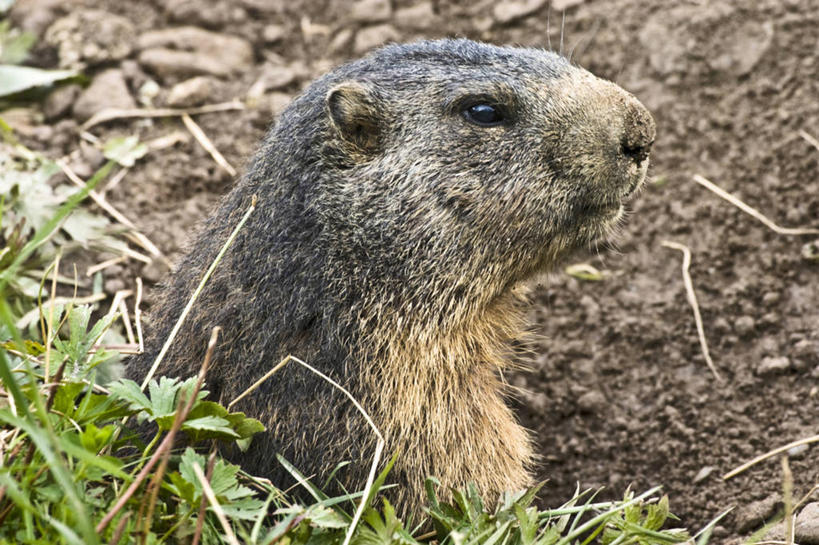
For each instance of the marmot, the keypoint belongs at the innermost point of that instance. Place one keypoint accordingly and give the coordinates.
(404, 198)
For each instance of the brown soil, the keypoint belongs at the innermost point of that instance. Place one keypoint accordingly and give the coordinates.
(619, 394)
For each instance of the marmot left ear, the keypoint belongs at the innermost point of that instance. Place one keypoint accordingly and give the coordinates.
(354, 113)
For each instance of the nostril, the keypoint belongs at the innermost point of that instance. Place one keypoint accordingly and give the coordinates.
(638, 153)
(638, 133)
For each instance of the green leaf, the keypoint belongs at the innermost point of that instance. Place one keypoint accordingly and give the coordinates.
(129, 391)
(14, 43)
(214, 424)
(182, 488)
(125, 150)
(14, 79)
(84, 226)
(94, 438)
(65, 395)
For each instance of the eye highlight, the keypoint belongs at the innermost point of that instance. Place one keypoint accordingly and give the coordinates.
(483, 114)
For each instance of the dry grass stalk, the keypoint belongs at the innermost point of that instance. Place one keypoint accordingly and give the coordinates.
(206, 143)
(200, 520)
(126, 321)
(114, 181)
(120, 529)
(110, 114)
(214, 503)
(752, 211)
(138, 315)
(787, 499)
(809, 139)
(692, 300)
(770, 454)
(104, 265)
(50, 325)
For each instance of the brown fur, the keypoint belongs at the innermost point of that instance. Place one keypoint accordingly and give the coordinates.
(391, 241)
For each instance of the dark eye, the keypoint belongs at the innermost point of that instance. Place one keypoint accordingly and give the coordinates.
(485, 115)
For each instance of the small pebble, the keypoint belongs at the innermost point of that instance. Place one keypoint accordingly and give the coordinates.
(108, 90)
(507, 12)
(371, 11)
(744, 325)
(371, 37)
(191, 92)
(806, 529)
(773, 366)
(592, 402)
(755, 514)
(273, 33)
(798, 451)
(703, 474)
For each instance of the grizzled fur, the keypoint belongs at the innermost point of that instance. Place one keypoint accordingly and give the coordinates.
(388, 250)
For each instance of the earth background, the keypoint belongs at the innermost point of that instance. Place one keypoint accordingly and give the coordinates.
(618, 393)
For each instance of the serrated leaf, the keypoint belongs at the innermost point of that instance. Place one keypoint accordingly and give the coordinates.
(129, 391)
(210, 424)
(78, 318)
(182, 488)
(14, 79)
(125, 150)
(656, 515)
(245, 509)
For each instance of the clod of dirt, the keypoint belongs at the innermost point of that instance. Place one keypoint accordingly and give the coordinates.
(371, 37)
(773, 366)
(210, 14)
(562, 5)
(667, 51)
(741, 49)
(35, 15)
(806, 529)
(592, 402)
(278, 76)
(755, 514)
(59, 102)
(417, 17)
(807, 351)
(190, 92)
(507, 12)
(108, 90)
(90, 37)
(193, 51)
(272, 34)
(371, 11)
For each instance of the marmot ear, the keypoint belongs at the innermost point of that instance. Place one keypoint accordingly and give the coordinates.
(354, 114)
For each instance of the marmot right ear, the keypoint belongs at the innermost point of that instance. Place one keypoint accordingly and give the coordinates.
(354, 113)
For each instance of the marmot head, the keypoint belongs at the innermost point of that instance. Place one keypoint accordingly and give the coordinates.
(467, 167)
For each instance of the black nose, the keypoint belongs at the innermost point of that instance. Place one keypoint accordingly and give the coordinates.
(638, 134)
